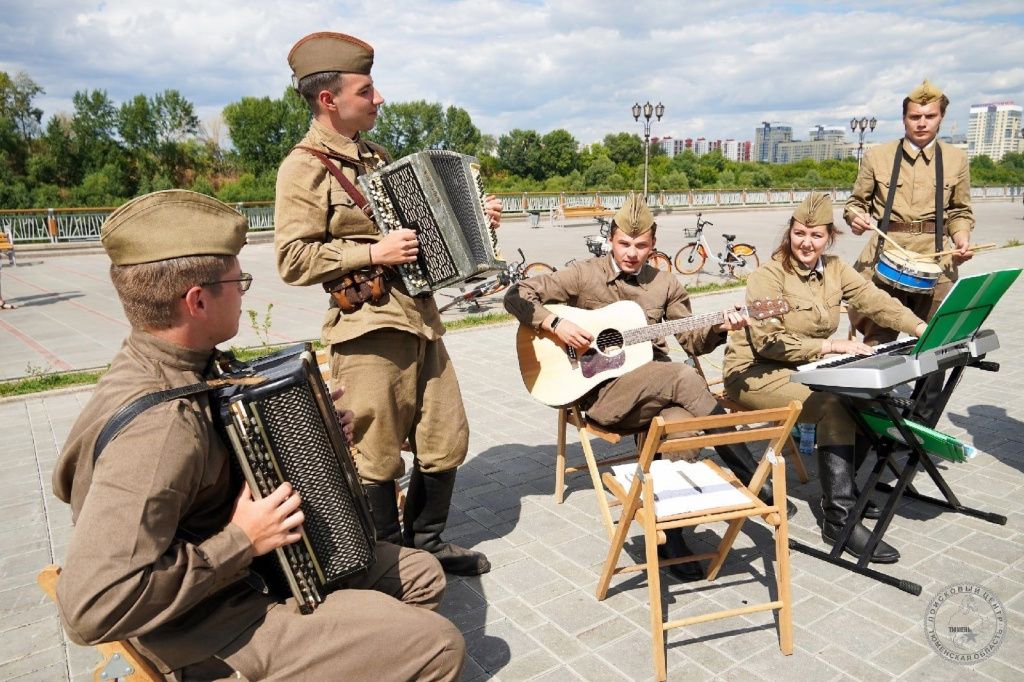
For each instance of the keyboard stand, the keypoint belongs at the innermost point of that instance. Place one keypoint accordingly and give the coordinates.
(897, 409)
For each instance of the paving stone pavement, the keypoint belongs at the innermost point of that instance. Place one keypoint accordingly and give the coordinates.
(535, 616)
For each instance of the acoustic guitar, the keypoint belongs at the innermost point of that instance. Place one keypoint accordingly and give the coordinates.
(556, 375)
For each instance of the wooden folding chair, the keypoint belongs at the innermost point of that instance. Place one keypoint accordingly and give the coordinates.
(121, 660)
(587, 429)
(717, 389)
(639, 504)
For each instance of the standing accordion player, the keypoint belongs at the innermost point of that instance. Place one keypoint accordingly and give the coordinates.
(439, 195)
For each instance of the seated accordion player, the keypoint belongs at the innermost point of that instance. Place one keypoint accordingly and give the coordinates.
(277, 415)
(439, 195)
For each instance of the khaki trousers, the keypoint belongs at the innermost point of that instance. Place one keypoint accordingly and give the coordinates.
(400, 386)
(759, 388)
(638, 396)
(379, 627)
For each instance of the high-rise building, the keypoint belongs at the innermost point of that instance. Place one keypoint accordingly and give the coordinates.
(995, 130)
(767, 139)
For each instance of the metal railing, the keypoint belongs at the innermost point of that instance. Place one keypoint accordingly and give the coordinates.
(67, 225)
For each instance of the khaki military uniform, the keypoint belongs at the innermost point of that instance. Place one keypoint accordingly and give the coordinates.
(389, 353)
(914, 204)
(130, 572)
(760, 358)
(633, 399)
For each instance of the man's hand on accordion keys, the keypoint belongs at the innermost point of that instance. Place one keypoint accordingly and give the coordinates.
(271, 522)
(492, 209)
(395, 248)
(346, 417)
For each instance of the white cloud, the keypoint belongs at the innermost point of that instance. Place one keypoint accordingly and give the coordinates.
(719, 67)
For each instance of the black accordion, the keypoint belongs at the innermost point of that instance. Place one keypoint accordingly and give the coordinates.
(440, 196)
(285, 428)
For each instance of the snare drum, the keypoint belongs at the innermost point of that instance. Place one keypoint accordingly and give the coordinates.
(917, 277)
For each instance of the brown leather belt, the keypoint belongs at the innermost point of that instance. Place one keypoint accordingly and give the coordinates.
(916, 227)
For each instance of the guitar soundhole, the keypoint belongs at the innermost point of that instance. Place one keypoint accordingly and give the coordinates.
(609, 340)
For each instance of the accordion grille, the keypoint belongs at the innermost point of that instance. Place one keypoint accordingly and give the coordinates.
(413, 208)
(463, 196)
(302, 448)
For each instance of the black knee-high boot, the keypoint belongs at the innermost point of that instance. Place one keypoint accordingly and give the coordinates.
(384, 508)
(738, 458)
(836, 473)
(425, 517)
(871, 510)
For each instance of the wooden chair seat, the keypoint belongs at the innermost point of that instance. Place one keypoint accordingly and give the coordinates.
(713, 496)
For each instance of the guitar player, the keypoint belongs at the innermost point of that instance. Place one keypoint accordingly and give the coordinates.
(672, 390)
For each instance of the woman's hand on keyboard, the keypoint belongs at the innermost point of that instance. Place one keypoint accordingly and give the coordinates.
(845, 347)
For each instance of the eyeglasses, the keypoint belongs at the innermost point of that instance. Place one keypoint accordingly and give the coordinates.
(244, 282)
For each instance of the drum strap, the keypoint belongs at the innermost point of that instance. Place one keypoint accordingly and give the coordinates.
(884, 224)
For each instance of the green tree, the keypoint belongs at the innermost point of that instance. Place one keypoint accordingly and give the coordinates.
(16, 95)
(625, 148)
(262, 130)
(407, 127)
(597, 173)
(519, 152)
(94, 126)
(559, 153)
(458, 132)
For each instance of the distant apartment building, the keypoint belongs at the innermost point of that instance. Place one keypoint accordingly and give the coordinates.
(774, 143)
(730, 148)
(671, 146)
(767, 139)
(995, 130)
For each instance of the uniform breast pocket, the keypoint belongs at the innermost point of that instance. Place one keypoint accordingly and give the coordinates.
(346, 219)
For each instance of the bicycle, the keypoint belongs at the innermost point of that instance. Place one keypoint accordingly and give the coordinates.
(512, 273)
(598, 246)
(740, 259)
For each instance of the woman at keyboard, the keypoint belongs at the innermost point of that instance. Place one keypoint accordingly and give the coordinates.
(760, 359)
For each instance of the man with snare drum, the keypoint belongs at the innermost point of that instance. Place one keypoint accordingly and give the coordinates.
(918, 188)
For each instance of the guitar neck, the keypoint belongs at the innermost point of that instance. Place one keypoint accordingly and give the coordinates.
(673, 327)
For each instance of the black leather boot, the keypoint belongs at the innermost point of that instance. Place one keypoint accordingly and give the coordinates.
(674, 548)
(384, 508)
(426, 514)
(926, 412)
(871, 510)
(836, 472)
(738, 458)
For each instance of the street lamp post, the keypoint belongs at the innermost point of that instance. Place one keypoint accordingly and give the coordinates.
(861, 126)
(647, 110)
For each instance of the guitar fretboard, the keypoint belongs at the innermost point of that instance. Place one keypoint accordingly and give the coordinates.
(673, 327)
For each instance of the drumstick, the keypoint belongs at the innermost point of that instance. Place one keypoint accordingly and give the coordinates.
(909, 255)
(948, 252)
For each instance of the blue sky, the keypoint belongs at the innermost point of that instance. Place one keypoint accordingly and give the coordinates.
(719, 66)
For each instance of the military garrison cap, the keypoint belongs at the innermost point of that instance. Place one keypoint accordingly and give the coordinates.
(925, 93)
(172, 224)
(634, 218)
(815, 209)
(326, 51)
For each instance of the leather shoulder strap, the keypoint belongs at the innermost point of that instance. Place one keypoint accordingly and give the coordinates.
(129, 412)
(939, 182)
(356, 195)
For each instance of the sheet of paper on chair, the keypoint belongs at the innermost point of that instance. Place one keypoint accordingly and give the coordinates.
(683, 487)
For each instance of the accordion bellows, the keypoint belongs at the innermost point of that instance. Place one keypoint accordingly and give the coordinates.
(439, 195)
(286, 429)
